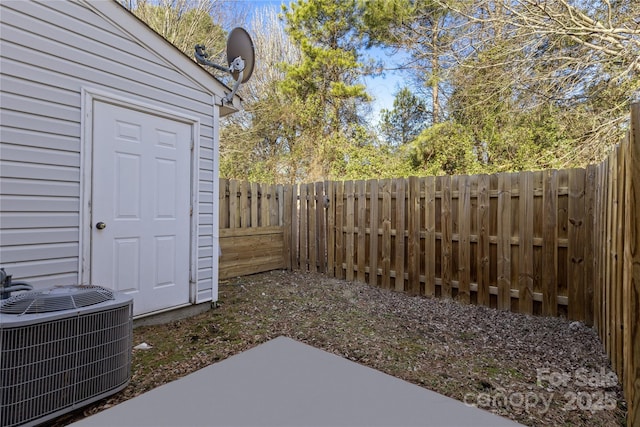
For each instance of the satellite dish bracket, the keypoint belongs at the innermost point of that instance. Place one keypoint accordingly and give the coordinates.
(229, 98)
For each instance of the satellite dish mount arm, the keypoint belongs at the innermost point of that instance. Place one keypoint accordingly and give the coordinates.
(201, 57)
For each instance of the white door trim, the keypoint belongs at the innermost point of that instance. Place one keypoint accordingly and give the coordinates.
(88, 97)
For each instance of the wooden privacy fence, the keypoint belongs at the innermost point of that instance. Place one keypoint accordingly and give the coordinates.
(616, 243)
(555, 242)
(512, 241)
(251, 228)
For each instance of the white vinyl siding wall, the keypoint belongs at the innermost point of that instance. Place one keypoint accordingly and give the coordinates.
(50, 50)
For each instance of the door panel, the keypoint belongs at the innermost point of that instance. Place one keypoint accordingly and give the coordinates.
(141, 174)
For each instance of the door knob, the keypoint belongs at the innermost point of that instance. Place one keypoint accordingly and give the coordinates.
(101, 225)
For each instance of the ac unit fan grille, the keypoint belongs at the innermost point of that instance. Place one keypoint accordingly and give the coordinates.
(56, 299)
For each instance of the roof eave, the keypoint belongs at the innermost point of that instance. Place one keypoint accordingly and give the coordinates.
(121, 17)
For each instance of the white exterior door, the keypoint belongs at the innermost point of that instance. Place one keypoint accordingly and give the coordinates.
(141, 174)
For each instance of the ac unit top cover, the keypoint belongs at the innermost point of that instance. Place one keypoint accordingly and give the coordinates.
(57, 303)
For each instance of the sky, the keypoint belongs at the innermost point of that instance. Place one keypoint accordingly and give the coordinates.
(381, 88)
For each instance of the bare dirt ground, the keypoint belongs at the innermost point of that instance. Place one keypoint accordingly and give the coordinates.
(535, 370)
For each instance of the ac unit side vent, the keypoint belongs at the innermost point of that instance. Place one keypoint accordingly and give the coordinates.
(56, 299)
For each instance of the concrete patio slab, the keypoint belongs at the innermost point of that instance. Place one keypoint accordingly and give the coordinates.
(286, 383)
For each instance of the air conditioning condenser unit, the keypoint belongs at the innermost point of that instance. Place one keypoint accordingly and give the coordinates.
(60, 349)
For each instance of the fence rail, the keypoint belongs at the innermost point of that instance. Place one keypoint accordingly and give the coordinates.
(555, 242)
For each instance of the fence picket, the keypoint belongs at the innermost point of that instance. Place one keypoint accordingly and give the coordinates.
(312, 226)
(339, 230)
(350, 216)
(295, 219)
(550, 243)
(430, 236)
(331, 227)
(254, 193)
(504, 242)
(577, 241)
(631, 279)
(617, 361)
(288, 227)
(245, 204)
(223, 203)
(447, 235)
(413, 242)
(589, 247)
(483, 252)
(386, 234)
(373, 233)
(265, 195)
(464, 244)
(525, 244)
(610, 245)
(321, 226)
(399, 234)
(234, 217)
(304, 228)
(598, 240)
(362, 218)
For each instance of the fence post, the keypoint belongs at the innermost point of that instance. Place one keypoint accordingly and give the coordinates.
(631, 279)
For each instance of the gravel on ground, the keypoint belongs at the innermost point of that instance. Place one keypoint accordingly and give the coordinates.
(539, 371)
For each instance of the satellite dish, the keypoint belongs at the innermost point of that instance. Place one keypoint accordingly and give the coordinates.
(239, 45)
(240, 57)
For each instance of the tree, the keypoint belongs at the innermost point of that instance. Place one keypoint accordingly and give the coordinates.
(326, 84)
(184, 23)
(576, 59)
(553, 78)
(259, 143)
(287, 133)
(406, 120)
(427, 31)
